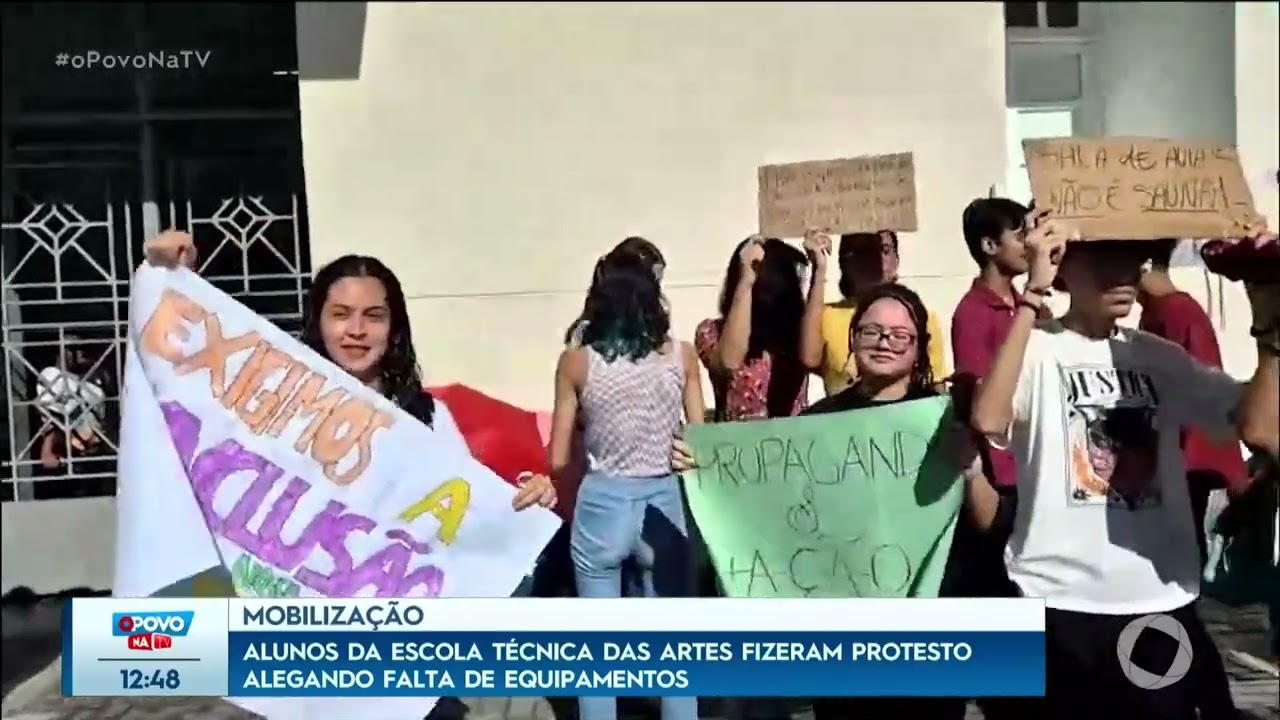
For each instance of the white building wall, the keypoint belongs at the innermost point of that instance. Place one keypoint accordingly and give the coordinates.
(1165, 70)
(1257, 61)
(490, 152)
(1195, 70)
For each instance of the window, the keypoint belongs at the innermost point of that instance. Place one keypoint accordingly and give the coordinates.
(1021, 14)
(1061, 14)
(1042, 15)
(1030, 124)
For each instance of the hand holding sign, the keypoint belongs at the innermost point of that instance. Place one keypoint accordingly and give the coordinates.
(681, 456)
(1255, 261)
(853, 504)
(1045, 244)
(1255, 257)
(817, 245)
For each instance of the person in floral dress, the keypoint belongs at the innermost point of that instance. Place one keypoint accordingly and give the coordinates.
(753, 349)
(753, 354)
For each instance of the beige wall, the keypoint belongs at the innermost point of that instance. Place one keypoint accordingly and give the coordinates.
(490, 152)
(1257, 120)
(1258, 99)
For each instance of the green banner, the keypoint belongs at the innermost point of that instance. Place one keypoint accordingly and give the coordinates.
(853, 504)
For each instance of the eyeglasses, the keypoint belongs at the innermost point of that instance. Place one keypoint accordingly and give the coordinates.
(899, 340)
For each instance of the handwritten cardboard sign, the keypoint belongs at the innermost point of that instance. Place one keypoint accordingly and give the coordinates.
(1140, 188)
(854, 504)
(862, 194)
(244, 450)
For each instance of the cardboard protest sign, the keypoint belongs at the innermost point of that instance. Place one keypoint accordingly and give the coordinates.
(854, 504)
(863, 194)
(244, 451)
(1140, 188)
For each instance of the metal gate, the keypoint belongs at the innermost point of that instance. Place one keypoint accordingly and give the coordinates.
(65, 314)
(95, 161)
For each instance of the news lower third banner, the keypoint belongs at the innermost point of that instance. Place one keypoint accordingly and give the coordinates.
(535, 647)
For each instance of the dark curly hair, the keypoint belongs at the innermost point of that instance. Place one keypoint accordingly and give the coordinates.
(777, 312)
(777, 298)
(633, 250)
(625, 314)
(401, 376)
(922, 374)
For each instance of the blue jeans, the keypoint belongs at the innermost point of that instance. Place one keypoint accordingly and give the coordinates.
(619, 518)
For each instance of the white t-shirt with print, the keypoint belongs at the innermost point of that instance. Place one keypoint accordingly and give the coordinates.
(1104, 520)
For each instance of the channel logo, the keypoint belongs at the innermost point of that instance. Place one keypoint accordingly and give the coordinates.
(151, 630)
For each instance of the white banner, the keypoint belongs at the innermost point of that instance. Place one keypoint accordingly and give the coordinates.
(242, 447)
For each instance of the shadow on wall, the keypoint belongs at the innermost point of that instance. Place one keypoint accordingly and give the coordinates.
(330, 39)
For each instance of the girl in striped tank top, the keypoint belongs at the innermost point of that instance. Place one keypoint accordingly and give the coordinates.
(630, 386)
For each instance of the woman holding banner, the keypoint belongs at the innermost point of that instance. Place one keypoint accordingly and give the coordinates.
(356, 317)
(889, 338)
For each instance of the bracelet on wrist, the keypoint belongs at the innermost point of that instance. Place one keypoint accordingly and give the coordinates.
(1031, 290)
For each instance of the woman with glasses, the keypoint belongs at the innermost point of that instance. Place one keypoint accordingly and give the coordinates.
(889, 337)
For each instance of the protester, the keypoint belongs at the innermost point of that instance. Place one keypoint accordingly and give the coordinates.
(866, 260)
(994, 230)
(1092, 411)
(356, 317)
(752, 351)
(73, 396)
(556, 575)
(631, 250)
(1174, 315)
(630, 385)
(889, 338)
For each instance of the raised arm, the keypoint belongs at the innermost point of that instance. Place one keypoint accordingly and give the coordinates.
(731, 352)
(171, 248)
(1258, 417)
(993, 400)
(1255, 410)
(818, 247)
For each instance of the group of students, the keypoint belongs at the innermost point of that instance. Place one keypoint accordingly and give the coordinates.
(1088, 456)
(1073, 457)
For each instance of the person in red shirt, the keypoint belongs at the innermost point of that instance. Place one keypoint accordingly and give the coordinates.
(994, 231)
(1177, 317)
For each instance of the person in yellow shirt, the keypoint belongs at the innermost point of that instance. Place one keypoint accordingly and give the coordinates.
(866, 260)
